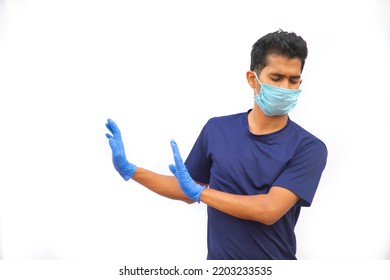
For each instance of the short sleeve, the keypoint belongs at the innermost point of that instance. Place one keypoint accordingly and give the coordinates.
(303, 172)
(198, 162)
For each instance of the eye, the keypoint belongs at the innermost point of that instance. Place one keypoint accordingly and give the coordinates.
(294, 81)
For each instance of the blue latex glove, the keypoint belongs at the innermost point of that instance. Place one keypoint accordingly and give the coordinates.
(188, 186)
(125, 168)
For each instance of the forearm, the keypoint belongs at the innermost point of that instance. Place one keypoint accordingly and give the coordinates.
(163, 185)
(248, 207)
(264, 208)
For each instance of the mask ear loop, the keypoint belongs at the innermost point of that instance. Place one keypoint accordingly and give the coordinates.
(257, 78)
(259, 83)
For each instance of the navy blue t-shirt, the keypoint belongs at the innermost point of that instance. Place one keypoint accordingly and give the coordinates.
(231, 159)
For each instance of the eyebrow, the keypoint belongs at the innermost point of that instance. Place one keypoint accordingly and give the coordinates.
(283, 76)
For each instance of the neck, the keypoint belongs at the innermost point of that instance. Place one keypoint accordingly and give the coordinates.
(259, 123)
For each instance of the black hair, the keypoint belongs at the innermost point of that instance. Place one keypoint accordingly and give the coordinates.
(282, 43)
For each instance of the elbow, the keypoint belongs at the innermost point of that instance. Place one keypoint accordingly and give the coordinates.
(267, 215)
(269, 221)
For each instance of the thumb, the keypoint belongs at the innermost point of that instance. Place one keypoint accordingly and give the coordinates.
(113, 145)
(173, 169)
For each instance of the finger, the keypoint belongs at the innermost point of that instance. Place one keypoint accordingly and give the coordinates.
(176, 154)
(173, 169)
(109, 135)
(109, 128)
(113, 145)
(113, 127)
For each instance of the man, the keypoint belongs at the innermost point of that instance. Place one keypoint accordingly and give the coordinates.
(254, 170)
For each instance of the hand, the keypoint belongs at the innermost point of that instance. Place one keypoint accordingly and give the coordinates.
(125, 168)
(187, 185)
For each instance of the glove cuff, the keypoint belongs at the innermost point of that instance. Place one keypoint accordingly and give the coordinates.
(128, 172)
(201, 189)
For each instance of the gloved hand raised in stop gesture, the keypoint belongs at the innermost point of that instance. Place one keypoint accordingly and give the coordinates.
(125, 168)
(187, 184)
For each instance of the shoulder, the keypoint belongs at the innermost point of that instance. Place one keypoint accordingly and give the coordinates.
(308, 140)
(228, 119)
(223, 127)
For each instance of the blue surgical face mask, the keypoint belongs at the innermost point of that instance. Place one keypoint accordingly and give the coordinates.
(276, 101)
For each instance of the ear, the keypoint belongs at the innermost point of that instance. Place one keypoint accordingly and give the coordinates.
(300, 81)
(251, 78)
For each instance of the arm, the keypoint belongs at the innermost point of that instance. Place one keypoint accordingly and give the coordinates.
(163, 185)
(264, 208)
(166, 186)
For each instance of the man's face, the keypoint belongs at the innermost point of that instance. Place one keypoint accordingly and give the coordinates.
(282, 72)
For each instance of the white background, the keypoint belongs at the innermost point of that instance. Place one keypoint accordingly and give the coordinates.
(161, 69)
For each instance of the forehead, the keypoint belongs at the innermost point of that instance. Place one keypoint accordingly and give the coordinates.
(282, 65)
